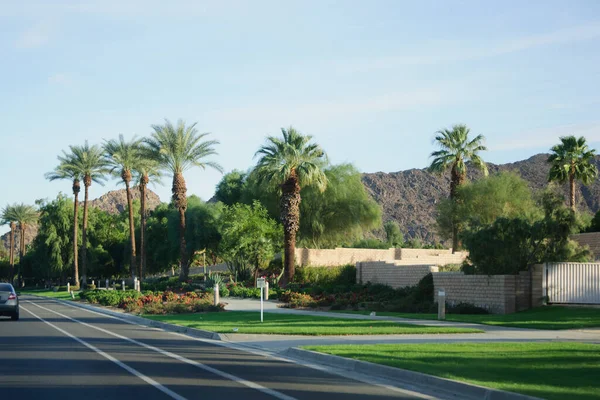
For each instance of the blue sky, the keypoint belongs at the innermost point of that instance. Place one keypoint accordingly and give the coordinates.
(371, 80)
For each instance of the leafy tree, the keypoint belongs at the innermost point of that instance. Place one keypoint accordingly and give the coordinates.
(8, 217)
(122, 158)
(162, 238)
(203, 226)
(230, 188)
(482, 202)
(290, 163)
(249, 235)
(393, 235)
(66, 170)
(510, 245)
(456, 149)
(177, 149)
(571, 160)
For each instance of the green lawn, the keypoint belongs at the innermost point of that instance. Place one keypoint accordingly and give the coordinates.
(547, 370)
(287, 324)
(551, 317)
(50, 293)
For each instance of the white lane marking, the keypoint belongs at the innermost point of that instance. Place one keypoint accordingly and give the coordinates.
(264, 353)
(111, 358)
(215, 371)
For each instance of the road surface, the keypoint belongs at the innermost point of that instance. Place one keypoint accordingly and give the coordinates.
(57, 351)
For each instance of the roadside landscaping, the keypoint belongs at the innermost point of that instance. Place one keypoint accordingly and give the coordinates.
(286, 324)
(548, 317)
(554, 371)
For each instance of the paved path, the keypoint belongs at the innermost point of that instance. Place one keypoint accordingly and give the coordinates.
(279, 343)
(60, 351)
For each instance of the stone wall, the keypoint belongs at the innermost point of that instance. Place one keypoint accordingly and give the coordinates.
(392, 274)
(499, 294)
(345, 256)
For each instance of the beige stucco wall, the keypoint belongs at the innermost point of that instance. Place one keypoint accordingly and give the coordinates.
(392, 274)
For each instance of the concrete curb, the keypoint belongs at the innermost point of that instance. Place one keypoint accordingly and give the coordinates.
(142, 321)
(465, 390)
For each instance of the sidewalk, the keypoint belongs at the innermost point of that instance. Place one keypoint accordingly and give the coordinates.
(279, 343)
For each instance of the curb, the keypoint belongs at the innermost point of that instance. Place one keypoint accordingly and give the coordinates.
(142, 321)
(465, 390)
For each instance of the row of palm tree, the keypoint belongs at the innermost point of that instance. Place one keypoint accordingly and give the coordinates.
(570, 160)
(20, 215)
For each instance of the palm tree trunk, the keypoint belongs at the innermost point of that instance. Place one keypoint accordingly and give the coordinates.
(179, 191)
(456, 180)
(22, 252)
(12, 251)
(76, 189)
(290, 217)
(86, 184)
(131, 228)
(572, 191)
(142, 267)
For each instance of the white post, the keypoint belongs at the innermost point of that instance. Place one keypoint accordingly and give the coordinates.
(123, 285)
(135, 283)
(441, 305)
(68, 287)
(93, 282)
(261, 303)
(217, 298)
(266, 290)
(107, 284)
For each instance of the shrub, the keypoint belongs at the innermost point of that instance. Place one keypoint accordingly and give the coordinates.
(344, 275)
(425, 288)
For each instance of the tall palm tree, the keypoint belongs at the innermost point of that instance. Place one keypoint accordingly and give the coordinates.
(89, 163)
(122, 158)
(25, 215)
(178, 148)
(148, 168)
(456, 149)
(65, 170)
(291, 163)
(572, 160)
(8, 217)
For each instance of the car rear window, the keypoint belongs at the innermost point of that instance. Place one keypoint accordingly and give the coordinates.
(5, 287)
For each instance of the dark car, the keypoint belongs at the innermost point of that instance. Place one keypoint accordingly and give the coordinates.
(9, 301)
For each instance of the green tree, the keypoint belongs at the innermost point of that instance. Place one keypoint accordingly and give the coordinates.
(230, 188)
(66, 170)
(482, 202)
(177, 149)
(393, 235)
(249, 236)
(122, 158)
(202, 226)
(456, 149)
(571, 160)
(8, 218)
(162, 238)
(291, 163)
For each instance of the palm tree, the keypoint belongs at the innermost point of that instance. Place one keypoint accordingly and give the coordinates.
(89, 163)
(25, 215)
(177, 149)
(122, 158)
(9, 218)
(143, 171)
(291, 164)
(455, 151)
(65, 170)
(572, 160)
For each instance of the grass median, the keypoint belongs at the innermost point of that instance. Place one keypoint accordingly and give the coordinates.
(51, 294)
(550, 318)
(289, 324)
(547, 370)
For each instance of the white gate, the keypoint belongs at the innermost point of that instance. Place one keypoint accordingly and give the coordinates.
(572, 283)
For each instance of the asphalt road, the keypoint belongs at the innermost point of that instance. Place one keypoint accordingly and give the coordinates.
(57, 351)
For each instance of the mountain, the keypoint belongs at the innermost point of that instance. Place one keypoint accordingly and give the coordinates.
(410, 197)
(113, 202)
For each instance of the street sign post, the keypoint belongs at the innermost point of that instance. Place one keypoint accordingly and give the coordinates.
(260, 283)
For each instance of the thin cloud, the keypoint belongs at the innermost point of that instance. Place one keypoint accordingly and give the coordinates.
(59, 79)
(37, 36)
(547, 137)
